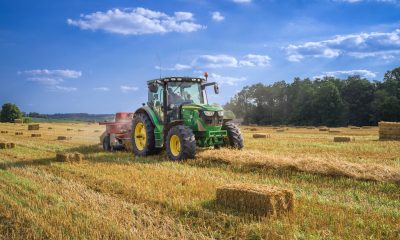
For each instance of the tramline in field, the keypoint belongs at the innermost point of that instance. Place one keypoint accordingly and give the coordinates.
(178, 118)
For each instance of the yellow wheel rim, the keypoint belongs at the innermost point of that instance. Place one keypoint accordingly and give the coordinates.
(175, 145)
(140, 136)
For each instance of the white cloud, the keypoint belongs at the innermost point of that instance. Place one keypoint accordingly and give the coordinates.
(176, 67)
(374, 44)
(101, 89)
(253, 60)
(241, 1)
(61, 73)
(225, 79)
(222, 60)
(345, 73)
(216, 16)
(137, 21)
(125, 89)
(46, 80)
(65, 89)
(52, 78)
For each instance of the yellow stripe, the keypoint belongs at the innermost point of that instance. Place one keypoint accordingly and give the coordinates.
(192, 107)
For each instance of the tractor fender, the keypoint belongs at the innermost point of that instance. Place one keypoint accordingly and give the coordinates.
(173, 124)
(150, 113)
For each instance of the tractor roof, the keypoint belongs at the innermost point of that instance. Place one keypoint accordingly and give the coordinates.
(177, 79)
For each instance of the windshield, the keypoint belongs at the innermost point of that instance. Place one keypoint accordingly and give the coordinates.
(185, 92)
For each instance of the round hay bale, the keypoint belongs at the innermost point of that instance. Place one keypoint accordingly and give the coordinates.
(342, 139)
(261, 135)
(61, 138)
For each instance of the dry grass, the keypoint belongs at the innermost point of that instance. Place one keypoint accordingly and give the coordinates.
(114, 195)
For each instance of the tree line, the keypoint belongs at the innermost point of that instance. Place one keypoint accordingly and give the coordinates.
(328, 101)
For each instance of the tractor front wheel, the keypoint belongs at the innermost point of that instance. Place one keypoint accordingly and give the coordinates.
(106, 143)
(142, 138)
(181, 143)
(235, 137)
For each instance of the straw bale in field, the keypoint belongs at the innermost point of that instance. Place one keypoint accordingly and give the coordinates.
(69, 129)
(80, 130)
(19, 133)
(389, 130)
(18, 120)
(280, 130)
(69, 157)
(366, 127)
(342, 139)
(4, 131)
(355, 128)
(49, 128)
(36, 135)
(61, 138)
(253, 129)
(324, 129)
(259, 200)
(33, 127)
(6, 145)
(261, 135)
(334, 131)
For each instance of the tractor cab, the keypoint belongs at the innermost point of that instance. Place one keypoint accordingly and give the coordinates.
(178, 118)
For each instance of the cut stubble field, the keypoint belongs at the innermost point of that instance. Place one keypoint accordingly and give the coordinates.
(343, 190)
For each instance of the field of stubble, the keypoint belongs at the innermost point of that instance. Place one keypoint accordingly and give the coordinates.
(342, 190)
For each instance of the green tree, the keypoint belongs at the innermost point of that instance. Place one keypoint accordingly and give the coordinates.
(10, 112)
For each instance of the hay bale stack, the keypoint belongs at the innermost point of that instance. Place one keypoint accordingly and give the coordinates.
(69, 157)
(18, 120)
(261, 135)
(342, 139)
(259, 200)
(19, 133)
(389, 130)
(36, 135)
(324, 129)
(4, 132)
(32, 127)
(61, 138)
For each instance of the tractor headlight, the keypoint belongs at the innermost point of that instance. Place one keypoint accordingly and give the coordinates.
(220, 113)
(208, 113)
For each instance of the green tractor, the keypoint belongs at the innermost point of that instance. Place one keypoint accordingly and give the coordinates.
(177, 117)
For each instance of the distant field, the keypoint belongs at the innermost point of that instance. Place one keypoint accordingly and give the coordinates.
(343, 190)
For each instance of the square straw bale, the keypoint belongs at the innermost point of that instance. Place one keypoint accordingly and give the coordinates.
(33, 127)
(261, 135)
(3, 145)
(259, 200)
(342, 139)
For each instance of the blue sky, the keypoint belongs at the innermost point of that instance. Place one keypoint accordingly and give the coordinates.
(95, 56)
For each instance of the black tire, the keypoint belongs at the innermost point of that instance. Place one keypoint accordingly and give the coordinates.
(150, 145)
(187, 143)
(106, 143)
(235, 137)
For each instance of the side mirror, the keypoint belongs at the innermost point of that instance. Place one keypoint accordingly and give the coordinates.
(153, 87)
(216, 88)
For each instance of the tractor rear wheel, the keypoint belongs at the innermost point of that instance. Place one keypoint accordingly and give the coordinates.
(235, 137)
(142, 136)
(181, 143)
